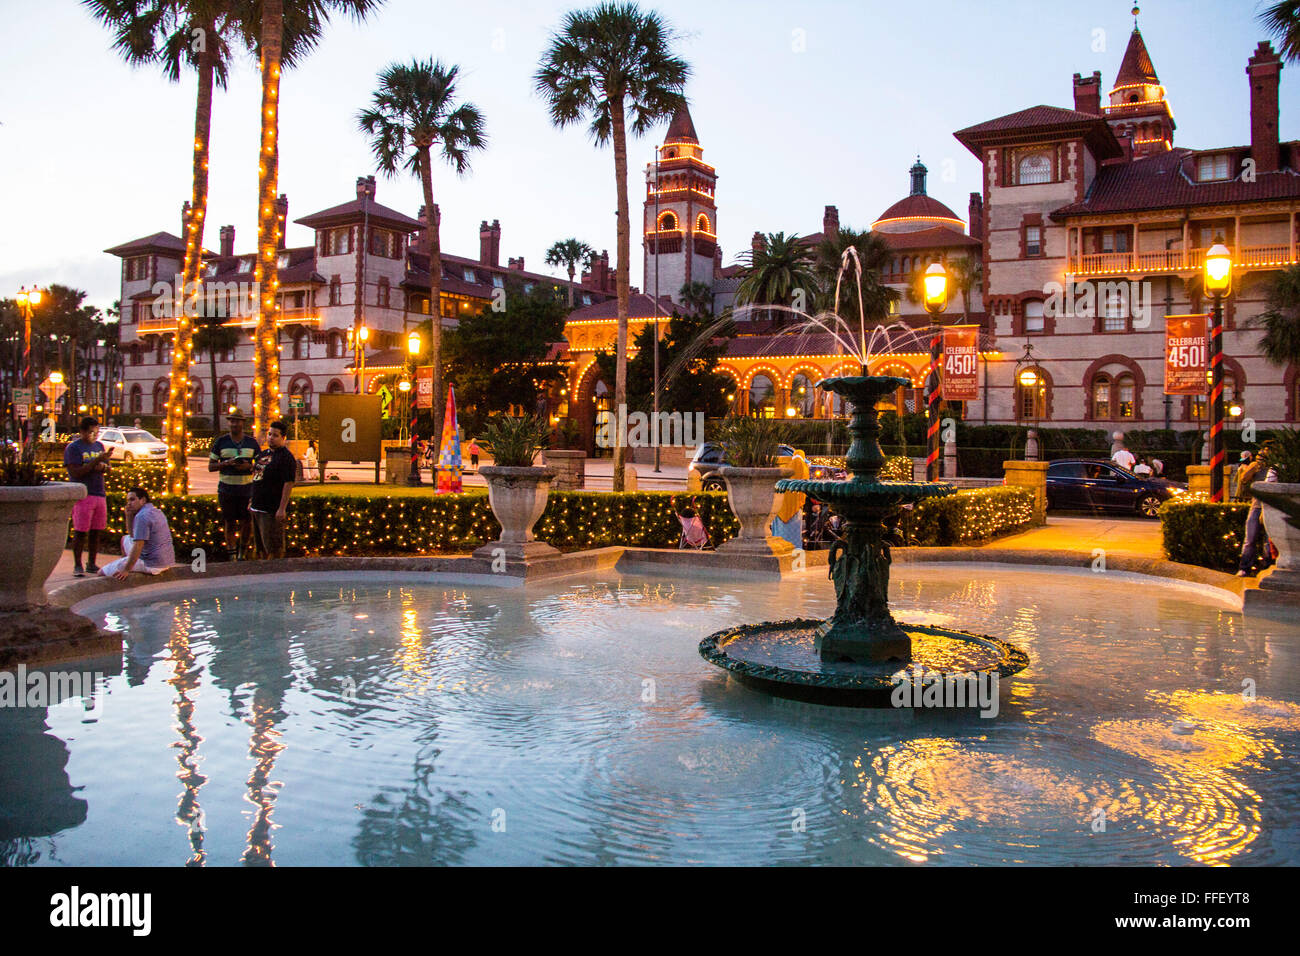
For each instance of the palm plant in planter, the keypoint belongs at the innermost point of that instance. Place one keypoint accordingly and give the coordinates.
(517, 491)
(33, 525)
(567, 456)
(751, 446)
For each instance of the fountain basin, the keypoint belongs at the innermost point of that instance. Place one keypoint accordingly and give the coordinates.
(783, 658)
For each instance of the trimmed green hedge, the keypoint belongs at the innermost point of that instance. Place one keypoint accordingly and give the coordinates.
(325, 524)
(972, 514)
(1203, 533)
(152, 478)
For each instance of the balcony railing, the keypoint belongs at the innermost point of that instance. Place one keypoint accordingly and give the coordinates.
(152, 325)
(1175, 261)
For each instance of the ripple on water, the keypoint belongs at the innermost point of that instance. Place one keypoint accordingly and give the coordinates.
(1012, 797)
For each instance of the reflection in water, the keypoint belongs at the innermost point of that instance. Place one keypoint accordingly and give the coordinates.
(184, 682)
(408, 720)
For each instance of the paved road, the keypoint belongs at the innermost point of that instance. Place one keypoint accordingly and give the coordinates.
(600, 476)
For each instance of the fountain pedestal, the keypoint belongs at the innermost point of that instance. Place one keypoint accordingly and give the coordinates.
(855, 657)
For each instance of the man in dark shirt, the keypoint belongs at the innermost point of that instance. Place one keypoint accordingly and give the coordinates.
(273, 478)
(86, 461)
(233, 455)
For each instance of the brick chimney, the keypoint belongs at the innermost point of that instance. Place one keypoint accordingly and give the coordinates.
(1087, 93)
(517, 264)
(185, 221)
(366, 187)
(830, 222)
(227, 241)
(1264, 70)
(757, 242)
(489, 243)
(975, 216)
(282, 218)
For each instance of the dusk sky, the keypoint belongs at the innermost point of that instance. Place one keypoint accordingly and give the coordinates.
(797, 105)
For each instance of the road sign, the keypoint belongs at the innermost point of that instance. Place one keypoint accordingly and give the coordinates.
(24, 396)
(296, 403)
(22, 411)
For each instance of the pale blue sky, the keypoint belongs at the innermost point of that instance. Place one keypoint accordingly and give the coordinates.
(93, 153)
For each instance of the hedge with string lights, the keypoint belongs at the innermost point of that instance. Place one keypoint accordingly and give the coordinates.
(359, 524)
(1203, 533)
(972, 514)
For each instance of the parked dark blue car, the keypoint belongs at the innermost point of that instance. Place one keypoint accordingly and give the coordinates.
(1086, 484)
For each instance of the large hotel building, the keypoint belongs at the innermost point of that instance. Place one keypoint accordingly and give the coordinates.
(1093, 196)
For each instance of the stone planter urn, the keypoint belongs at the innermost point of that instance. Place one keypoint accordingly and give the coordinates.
(518, 498)
(752, 497)
(33, 532)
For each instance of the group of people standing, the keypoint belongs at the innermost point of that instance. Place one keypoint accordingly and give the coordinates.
(253, 487)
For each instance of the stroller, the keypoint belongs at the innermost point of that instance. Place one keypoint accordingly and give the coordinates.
(694, 534)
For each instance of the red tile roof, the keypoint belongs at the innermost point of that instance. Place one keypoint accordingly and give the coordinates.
(917, 205)
(681, 129)
(1042, 119)
(158, 242)
(1136, 66)
(1168, 180)
(355, 210)
(936, 237)
(639, 306)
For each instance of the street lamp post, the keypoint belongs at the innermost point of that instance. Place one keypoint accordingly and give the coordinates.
(28, 299)
(1218, 283)
(359, 358)
(1028, 379)
(935, 281)
(413, 348)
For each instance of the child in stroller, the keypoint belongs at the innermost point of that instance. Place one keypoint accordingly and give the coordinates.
(694, 534)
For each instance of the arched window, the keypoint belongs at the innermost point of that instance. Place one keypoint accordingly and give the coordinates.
(301, 385)
(336, 345)
(229, 394)
(1101, 398)
(160, 398)
(702, 224)
(762, 396)
(802, 395)
(335, 387)
(667, 222)
(137, 399)
(301, 345)
(196, 396)
(1124, 396)
(1035, 168)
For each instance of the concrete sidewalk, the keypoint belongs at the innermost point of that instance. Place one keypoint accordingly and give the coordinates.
(1115, 535)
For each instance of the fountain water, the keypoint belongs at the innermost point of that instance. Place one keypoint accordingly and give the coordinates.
(854, 656)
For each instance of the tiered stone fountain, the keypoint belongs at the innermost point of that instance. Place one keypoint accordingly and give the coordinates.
(855, 656)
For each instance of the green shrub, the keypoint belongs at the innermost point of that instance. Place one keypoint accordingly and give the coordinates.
(1203, 533)
(147, 475)
(973, 514)
(750, 442)
(515, 440)
(334, 524)
(896, 468)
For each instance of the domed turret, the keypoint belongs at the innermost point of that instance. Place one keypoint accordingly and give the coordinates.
(918, 211)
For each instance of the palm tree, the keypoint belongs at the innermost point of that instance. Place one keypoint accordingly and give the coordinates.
(569, 253)
(212, 335)
(874, 254)
(1283, 21)
(180, 35)
(697, 298)
(778, 272)
(602, 64)
(414, 112)
(283, 33)
(1280, 321)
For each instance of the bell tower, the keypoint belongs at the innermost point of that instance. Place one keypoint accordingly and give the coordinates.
(1139, 109)
(680, 221)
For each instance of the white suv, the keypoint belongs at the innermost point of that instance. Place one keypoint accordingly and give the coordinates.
(132, 444)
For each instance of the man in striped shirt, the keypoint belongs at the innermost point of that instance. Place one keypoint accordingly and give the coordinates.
(233, 456)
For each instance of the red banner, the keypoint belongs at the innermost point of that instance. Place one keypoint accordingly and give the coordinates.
(424, 386)
(959, 373)
(1185, 354)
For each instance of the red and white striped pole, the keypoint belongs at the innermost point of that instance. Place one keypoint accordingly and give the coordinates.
(935, 282)
(1217, 282)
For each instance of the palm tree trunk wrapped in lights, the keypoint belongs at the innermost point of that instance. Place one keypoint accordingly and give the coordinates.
(266, 273)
